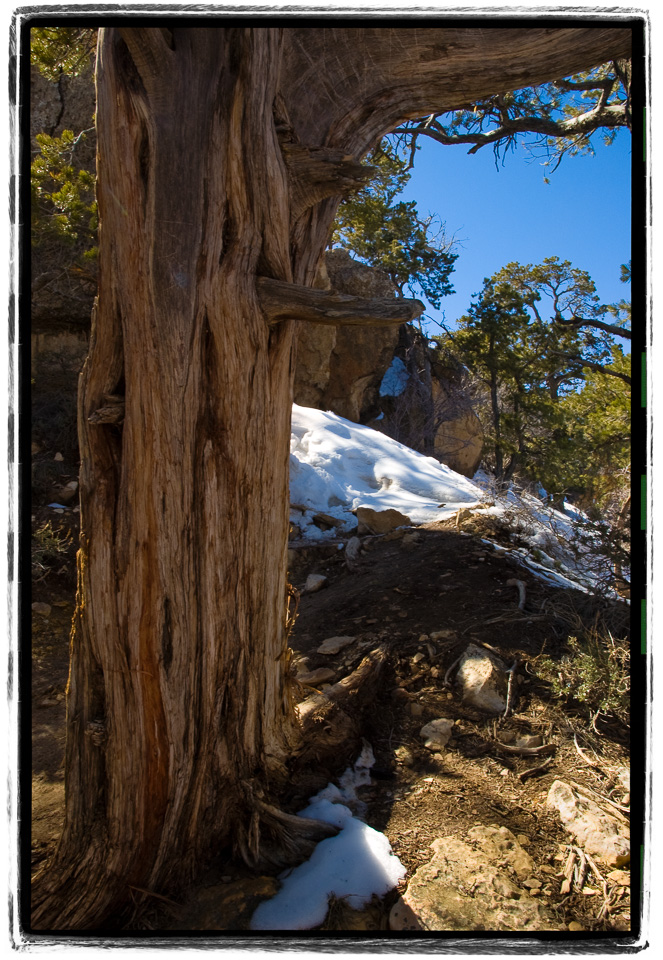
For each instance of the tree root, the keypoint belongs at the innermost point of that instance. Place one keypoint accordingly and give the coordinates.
(330, 727)
(271, 838)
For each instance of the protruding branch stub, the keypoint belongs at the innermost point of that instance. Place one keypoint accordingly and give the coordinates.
(319, 172)
(290, 301)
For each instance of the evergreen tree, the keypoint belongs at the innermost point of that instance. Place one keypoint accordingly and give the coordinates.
(392, 235)
(541, 376)
(63, 208)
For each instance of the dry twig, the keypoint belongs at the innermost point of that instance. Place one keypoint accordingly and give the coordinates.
(535, 771)
(521, 591)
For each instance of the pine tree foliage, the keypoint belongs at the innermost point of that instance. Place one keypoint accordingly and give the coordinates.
(554, 397)
(63, 203)
(553, 120)
(391, 234)
(58, 51)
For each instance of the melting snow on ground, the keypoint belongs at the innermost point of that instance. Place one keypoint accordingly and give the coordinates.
(356, 864)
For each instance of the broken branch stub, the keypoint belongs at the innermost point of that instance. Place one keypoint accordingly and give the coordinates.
(290, 301)
(319, 172)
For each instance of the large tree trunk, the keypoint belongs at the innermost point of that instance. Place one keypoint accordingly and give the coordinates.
(222, 156)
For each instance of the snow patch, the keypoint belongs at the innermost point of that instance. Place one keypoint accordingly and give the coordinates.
(355, 864)
(395, 379)
(337, 465)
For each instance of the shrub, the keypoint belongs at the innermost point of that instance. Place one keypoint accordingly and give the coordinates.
(48, 547)
(595, 672)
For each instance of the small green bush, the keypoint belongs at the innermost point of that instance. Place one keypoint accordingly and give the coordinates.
(594, 672)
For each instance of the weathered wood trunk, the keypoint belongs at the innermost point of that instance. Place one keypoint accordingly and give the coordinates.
(178, 710)
(176, 699)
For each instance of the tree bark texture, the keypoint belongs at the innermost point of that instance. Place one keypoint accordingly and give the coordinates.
(179, 717)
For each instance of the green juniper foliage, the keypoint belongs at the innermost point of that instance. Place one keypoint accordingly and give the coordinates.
(554, 120)
(554, 384)
(392, 235)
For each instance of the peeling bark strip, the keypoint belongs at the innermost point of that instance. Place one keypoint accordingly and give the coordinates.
(289, 301)
(178, 729)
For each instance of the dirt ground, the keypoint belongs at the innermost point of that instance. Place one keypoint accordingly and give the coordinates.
(424, 598)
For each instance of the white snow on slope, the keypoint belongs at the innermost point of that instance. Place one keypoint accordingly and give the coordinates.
(337, 466)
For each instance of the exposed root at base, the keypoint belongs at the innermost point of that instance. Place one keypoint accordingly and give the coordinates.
(273, 838)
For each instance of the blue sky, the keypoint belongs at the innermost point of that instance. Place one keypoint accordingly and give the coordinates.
(510, 214)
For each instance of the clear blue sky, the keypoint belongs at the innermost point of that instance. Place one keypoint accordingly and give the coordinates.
(510, 214)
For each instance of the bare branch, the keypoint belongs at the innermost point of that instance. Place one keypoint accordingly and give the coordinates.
(601, 116)
(599, 324)
(290, 301)
(592, 365)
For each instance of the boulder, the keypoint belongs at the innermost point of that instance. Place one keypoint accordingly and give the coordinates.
(314, 678)
(459, 435)
(341, 368)
(482, 679)
(43, 609)
(469, 885)
(598, 833)
(459, 443)
(315, 582)
(380, 521)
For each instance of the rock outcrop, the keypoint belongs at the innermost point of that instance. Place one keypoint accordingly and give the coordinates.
(341, 368)
(481, 883)
(597, 831)
(386, 377)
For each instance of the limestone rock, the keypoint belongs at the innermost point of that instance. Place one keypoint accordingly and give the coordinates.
(459, 443)
(315, 582)
(315, 342)
(65, 494)
(334, 644)
(353, 548)
(458, 440)
(482, 679)
(403, 917)
(595, 831)
(314, 678)
(43, 609)
(380, 521)
(437, 733)
(499, 843)
(340, 368)
(404, 755)
(467, 887)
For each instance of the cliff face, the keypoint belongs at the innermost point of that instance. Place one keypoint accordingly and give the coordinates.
(384, 376)
(341, 368)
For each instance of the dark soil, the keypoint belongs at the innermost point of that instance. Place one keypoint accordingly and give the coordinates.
(400, 593)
